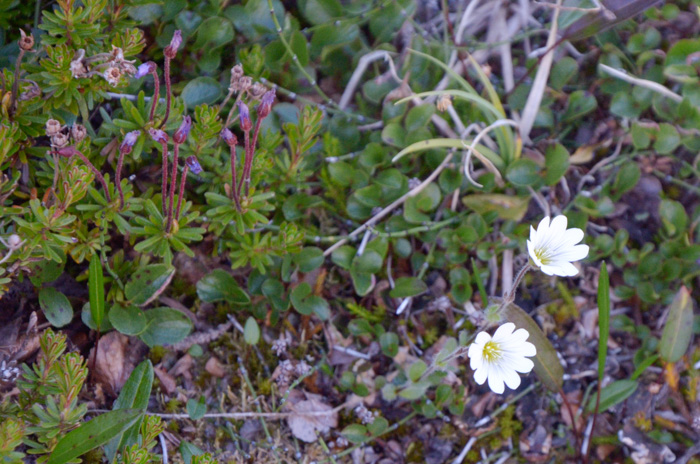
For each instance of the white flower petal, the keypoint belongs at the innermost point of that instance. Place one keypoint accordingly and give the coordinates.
(524, 366)
(511, 378)
(558, 226)
(481, 374)
(542, 227)
(527, 349)
(572, 236)
(496, 380)
(482, 338)
(503, 332)
(574, 253)
(476, 356)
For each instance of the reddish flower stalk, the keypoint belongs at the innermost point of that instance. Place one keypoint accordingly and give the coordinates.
(67, 152)
(231, 141)
(179, 138)
(191, 163)
(125, 148)
(246, 125)
(170, 52)
(249, 164)
(169, 223)
(263, 109)
(150, 68)
(162, 138)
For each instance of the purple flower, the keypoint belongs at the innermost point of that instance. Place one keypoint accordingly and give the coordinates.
(146, 68)
(129, 141)
(175, 43)
(265, 105)
(228, 137)
(246, 123)
(193, 164)
(181, 134)
(158, 135)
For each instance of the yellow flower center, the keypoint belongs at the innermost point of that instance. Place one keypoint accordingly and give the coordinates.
(542, 255)
(492, 351)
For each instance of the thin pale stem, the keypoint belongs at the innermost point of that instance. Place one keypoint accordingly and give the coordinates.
(595, 416)
(97, 173)
(156, 93)
(234, 176)
(183, 179)
(510, 296)
(168, 91)
(118, 178)
(573, 419)
(233, 108)
(169, 223)
(164, 186)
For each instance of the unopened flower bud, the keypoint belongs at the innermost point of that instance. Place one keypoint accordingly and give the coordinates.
(158, 135)
(265, 105)
(181, 134)
(244, 83)
(78, 132)
(228, 137)
(171, 50)
(146, 68)
(26, 42)
(13, 241)
(53, 127)
(59, 140)
(66, 152)
(112, 75)
(193, 164)
(246, 123)
(236, 72)
(129, 141)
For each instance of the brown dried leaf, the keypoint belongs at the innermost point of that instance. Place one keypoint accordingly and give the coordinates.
(110, 366)
(307, 427)
(214, 367)
(167, 381)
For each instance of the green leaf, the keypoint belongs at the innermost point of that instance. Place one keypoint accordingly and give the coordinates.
(416, 370)
(134, 395)
(307, 304)
(200, 90)
(214, 32)
(506, 206)
(612, 394)
(667, 139)
(166, 326)
(92, 434)
(147, 283)
(673, 216)
(355, 433)
(219, 285)
(251, 331)
(368, 262)
(523, 172)
(679, 327)
(556, 162)
(56, 307)
(97, 290)
(196, 408)
(300, 47)
(408, 286)
(309, 258)
(547, 366)
(129, 320)
(389, 343)
(603, 318)
(188, 451)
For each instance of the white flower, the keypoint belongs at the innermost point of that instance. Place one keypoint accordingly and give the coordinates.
(552, 247)
(501, 357)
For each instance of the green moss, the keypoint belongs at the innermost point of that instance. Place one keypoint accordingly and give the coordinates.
(510, 426)
(173, 406)
(156, 354)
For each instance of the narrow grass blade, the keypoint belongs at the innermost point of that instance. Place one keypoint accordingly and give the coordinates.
(603, 318)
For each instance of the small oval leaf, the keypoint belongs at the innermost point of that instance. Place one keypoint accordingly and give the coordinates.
(56, 307)
(679, 327)
(147, 283)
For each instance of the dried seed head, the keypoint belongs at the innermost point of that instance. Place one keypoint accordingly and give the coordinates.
(236, 72)
(149, 67)
(32, 92)
(59, 140)
(129, 141)
(245, 83)
(171, 50)
(257, 91)
(158, 135)
(117, 54)
(193, 164)
(13, 241)
(228, 137)
(443, 103)
(181, 134)
(265, 105)
(26, 42)
(53, 127)
(77, 66)
(246, 123)
(78, 132)
(112, 75)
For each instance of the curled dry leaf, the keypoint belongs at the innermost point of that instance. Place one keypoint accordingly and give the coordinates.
(111, 367)
(214, 367)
